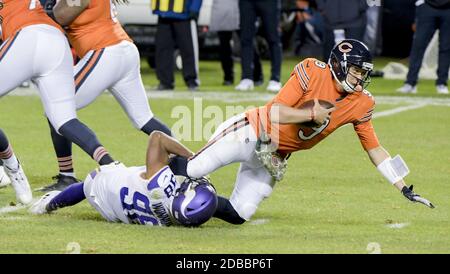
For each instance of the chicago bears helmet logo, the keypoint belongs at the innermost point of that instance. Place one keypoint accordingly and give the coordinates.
(345, 47)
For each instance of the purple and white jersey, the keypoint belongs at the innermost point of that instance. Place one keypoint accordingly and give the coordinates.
(120, 194)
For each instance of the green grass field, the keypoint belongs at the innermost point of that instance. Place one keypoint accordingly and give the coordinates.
(332, 199)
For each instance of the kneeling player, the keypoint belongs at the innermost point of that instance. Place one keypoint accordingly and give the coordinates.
(147, 195)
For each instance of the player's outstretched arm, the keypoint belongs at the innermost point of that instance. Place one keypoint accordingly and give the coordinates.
(394, 170)
(160, 147)
(282, 114)
(65, 11)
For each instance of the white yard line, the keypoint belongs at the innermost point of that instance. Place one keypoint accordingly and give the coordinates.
(397, 225)
(9, 209)
(234, 97)
(241, 97)
(14, 218)
(259, 221)
(393, 111)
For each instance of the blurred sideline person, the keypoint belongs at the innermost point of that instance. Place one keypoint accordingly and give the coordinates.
(431, 15)
(261, 139)
(309, 26)
(11, 172)
(177, 25)
(343, 19)
(35, 48)
(225, 20)
(146, 195)
(109, 61)
(270, 12)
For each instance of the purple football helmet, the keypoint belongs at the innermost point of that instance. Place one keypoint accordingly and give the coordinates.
(195, 202)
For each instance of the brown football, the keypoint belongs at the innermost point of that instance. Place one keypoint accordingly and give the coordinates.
(309, 104)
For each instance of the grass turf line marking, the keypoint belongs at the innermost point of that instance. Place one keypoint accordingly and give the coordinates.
(9, 209)
(397, 225)
(235, 97)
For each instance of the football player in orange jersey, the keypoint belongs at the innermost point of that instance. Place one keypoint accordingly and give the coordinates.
(261, 138)
(109, 61)
(35, 48)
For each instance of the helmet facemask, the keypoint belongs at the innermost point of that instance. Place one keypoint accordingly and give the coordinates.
(357, 76)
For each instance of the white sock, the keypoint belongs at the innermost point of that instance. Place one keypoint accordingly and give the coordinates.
(11, 163)
(71, 174)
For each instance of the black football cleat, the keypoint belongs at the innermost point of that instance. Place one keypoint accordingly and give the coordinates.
(62, 182)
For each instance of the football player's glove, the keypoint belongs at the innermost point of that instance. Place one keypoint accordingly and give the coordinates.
(413, 197)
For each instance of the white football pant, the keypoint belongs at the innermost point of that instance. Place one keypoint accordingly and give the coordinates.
(41, 53)
(117, 69)
(235, 141)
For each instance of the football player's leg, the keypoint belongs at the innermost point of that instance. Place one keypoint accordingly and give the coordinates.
(234, 141)
(90, 82)
(271, 16)
(55, 199)
(70, 196)
(426, 27)
(16, 61)
(6, 152)
(444, 49)
(253, 185)
(129, 91)
(56, 88)
(96, 72)
(63, 150)
(60, 110)
(14, 171)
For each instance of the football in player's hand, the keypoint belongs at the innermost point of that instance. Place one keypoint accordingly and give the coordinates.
(309, 105)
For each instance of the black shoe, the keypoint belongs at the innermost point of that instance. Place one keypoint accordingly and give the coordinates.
(259, 82)
(228, 82)
(62, 182)
(193, 87)
(162, 87)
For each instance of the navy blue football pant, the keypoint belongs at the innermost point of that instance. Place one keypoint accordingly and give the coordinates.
(428, 20)
(270, 12)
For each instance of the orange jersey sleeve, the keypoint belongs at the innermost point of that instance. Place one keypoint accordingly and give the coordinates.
(290, 94)
(367, 136)
(97, 27)
(363, 124)
(17, 14)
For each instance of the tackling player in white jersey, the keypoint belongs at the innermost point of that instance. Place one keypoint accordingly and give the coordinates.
(147, 195)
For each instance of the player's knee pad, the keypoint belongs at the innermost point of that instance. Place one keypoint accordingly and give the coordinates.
(246, 210)
(246, 202)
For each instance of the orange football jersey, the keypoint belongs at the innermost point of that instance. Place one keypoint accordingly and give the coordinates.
(17, 14)
(312, 79)
(96, 27)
